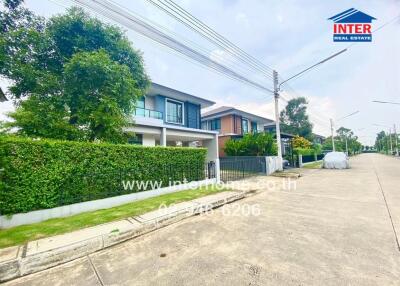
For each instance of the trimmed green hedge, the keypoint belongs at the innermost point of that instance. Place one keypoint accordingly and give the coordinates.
(306, 152)
(40, 174)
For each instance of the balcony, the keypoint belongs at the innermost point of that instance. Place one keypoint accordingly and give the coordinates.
(144, 112)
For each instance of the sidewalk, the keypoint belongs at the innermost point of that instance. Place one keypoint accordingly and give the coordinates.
(48, 252)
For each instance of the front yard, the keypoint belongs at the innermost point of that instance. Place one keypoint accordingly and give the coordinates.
(24, 233)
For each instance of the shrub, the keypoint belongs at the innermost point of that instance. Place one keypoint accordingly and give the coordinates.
(304, 152)
(46, 173)
(301, 142)
(258, 144)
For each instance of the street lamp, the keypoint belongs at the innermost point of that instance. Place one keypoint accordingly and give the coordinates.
(390, 138)
(341, 118)
(394, 125)
(386, 102)
(277, 89)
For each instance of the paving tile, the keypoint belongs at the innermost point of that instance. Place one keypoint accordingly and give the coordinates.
(166, 212)
(8, 253)
(78, 272)
(49, 243)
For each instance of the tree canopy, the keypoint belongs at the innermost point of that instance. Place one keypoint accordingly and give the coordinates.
(343, 134)
(72, 76)
(295, 120)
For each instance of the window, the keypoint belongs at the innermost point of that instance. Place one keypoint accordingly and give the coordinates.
(140, 111)
(245, 126)
(136, 140)
(174, 111)
(140, 102)
(254, 127)
(215, 124)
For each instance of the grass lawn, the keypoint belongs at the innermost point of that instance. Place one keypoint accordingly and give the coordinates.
(315, 165)
(24, 233)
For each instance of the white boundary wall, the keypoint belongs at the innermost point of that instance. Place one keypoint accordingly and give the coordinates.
(272, 164)
(69, 210)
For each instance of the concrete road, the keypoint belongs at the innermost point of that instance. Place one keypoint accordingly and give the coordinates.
(337, 228)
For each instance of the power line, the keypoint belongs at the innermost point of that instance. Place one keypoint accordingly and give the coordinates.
(128, 19)
(191, 43)
(183, 16)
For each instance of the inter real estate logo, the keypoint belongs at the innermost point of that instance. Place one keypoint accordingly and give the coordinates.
(352, 26)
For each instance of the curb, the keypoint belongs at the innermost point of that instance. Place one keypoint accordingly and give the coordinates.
(22, 264)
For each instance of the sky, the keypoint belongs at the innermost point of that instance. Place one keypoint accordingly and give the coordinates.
(287, 36)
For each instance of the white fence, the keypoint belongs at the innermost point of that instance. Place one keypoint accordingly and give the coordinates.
(273, 164)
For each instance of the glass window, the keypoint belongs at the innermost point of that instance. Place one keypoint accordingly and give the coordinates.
(140, 102)
(204, 125)
(174, 112)
(245, 126)
(215, 124)
(140, 107)
(254, 127)
(136, 140)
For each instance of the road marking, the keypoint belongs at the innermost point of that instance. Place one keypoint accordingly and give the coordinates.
(387, 207)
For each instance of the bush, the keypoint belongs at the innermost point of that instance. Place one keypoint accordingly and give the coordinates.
(304, 152)
(301, 142)
(258, 144)
(46, 173)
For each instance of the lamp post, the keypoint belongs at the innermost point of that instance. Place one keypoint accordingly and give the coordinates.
(389, 138)
(394, 129)
(395, 140)
(332, 129)
(277, 89)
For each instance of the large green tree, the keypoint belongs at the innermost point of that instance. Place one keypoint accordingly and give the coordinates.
(73, 77)
(295, 120)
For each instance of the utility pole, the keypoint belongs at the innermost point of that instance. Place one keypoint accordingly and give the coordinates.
(333, 140)
(277, 89)
(390, 139)
(387, 143)
(347, 149)
(395, 140)
(277, 125)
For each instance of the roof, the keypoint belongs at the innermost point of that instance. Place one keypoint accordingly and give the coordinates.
(2, 96)
(227, 110)
(352, 16)
(319, 136)
(158, 89)
(271, 128)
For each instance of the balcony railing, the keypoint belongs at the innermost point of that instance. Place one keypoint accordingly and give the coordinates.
(144, 112)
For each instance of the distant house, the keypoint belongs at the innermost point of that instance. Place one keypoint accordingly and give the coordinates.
(2, 96)
(168, 117)
(319, 138)
(231, 123)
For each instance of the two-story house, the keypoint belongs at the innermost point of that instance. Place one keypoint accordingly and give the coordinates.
(168, 117)
(231, 123)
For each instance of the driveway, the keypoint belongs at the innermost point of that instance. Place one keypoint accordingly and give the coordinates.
(336, 228)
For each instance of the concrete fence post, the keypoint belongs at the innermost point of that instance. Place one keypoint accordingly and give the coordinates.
(300, 161)
(217, 171)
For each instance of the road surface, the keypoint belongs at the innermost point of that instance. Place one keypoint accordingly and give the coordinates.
(337, 228)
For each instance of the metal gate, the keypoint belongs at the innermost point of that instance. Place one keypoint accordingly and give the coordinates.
(240, 167)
